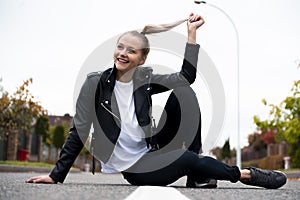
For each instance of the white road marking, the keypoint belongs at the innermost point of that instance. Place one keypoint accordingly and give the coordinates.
(156, 192)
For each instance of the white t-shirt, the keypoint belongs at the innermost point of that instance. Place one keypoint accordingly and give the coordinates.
(131, 144)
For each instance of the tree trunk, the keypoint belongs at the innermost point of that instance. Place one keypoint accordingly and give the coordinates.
(4, 153)
(40, 148)
(57, 154)
(12, 145)
(49, 154)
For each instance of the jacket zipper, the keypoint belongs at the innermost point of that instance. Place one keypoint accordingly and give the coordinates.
(110, 112)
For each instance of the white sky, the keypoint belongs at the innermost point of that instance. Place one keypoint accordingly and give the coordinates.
(50, 40)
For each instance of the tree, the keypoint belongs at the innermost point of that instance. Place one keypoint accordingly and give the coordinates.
(19, 112)
(42, 130)
(256, 142)
(49, 143)
(54, 143)
(217, 152)
(268, 136)
(6, 121)
(225, 151)
(285, 122)
(58, 138)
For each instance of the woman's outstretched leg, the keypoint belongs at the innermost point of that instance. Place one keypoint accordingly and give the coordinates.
(186, 164)
(201, 168)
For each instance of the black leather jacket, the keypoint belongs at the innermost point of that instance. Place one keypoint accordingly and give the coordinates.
(96, 105)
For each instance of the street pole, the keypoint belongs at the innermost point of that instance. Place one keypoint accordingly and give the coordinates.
(238, 148)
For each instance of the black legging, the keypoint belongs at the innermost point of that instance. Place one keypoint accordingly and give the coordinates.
(182, 116)
(188, 164)
(182, 107)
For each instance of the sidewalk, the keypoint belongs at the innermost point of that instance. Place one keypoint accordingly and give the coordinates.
(16, 168)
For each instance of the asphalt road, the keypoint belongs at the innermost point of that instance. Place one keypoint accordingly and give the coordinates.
(114, 187)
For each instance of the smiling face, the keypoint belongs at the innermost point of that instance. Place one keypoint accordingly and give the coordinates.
(128, 53)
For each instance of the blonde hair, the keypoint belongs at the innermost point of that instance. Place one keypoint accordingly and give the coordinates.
(150, 29)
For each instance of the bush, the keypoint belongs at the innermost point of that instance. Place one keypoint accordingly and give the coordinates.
(253, 163)
(272, 162)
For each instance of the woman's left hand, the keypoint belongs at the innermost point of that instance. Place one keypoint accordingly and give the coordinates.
(194, 22)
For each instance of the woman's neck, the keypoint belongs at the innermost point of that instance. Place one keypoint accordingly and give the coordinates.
(125, 76)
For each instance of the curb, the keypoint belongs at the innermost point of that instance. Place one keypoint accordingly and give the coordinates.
(293, 174)
(15, 168)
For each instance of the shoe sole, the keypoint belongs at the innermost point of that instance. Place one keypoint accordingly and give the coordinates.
(210, 184)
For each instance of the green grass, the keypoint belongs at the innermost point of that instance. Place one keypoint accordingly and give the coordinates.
(290, 170)
(25, 163)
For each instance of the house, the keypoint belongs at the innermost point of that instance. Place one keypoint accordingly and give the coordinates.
(22, 140)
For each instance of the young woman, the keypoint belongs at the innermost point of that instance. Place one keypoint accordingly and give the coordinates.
(117, 102)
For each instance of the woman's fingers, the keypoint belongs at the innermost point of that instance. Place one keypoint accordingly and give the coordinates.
(196, 20)
(40, 179)
(31, 180)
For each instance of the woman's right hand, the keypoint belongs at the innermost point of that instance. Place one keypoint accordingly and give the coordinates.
(41, 179)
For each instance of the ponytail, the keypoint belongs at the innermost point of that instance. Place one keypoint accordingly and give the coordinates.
(149, 29)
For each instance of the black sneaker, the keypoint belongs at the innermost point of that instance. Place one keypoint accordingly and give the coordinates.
(207, 183)
(265, 178)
